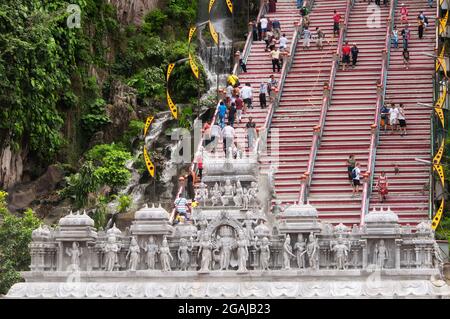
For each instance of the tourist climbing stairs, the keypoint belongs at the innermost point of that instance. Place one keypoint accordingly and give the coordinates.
(291, 131)
(409, 189)
(347, 128)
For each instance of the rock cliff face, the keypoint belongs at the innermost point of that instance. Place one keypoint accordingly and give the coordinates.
(133, 11)
(11, 169)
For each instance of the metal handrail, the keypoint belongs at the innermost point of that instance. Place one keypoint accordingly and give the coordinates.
(318, 129)
(246, 51)
(375, 128)
(249, 41)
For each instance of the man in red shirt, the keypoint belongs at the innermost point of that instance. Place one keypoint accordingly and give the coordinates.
(336, 20)
(239, 106)
(345, 55)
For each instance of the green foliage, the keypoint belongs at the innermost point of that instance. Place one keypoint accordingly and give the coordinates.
(100, 213)
(154, 22)
(80, 184)
(183, 11)
(149, 82)
(95, 117)
(110, 161)
(15, 236)
(135, 129)
(124, 203)
(186, 118)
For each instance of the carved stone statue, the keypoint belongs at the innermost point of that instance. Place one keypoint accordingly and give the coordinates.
(300, 249)
(242, 244)
(381, 254)
(201, 221)
(205, 249)
(74, 253)
(226, 245)
(133, 254)
(228, 188)
(253, 194)
(340, 254)
(287, 253)
(245, 199)
(312, 250)
(264, 254)
(216, 195)
(111, 249)
(202, 193)
(438, 259)
(248, 224)
(165, 255)
(183, 254)
(238, 197)
(151, 249)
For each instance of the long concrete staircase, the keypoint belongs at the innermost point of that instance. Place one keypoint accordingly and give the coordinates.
(291, 131)
(408, 193)
(259, 68)
(349, 117)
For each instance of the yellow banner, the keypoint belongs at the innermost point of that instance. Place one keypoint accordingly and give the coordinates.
(213, 32)
(437, 158)
(440, 62)
(172, 106)
(443, 24)
(440, 114)
(169, 70)
(230, 6)
(149, 164)
(441, 100)
(211, 3)
(440, 170)
(191, 33)
(194, 66)
(438, 216)
(147, 124)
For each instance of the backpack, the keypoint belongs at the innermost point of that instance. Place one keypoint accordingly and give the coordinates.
(354, 173)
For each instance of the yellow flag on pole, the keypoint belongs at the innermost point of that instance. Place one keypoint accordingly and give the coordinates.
(147, 124)
(149, 164)
(438, 216)
(437, 158)
(191, 33)
(230, 6)
(172, 106)
(440, 170)
(440, 114)
(213, 32)
(211, 3)
(169, 70)
(194, 66)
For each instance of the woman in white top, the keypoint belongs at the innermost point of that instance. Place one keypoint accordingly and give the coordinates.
(393, 117)
(402, 119)
(306, 37)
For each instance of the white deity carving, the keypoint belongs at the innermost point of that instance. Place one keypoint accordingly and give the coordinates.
(183, 254)
(151, 249)
(206, 247)
(74, 253)
(381, 254)
(226, 246)
(238, 198)
(133, 254)
(312, 250)
(264, 254)
(245, 199)
(202, 193)
(341, 254)
(287, 253)
(111, 249)
(300, 249)
(165, 255)
(242, 244)
(216, 194)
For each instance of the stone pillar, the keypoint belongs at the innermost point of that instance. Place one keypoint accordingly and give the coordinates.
(428, 253)
(193, 260)
(364, 255)
(60, 256)
(88, 258)
(398, 245)
(418, 261)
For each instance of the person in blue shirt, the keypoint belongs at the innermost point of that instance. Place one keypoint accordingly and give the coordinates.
(222, 111)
